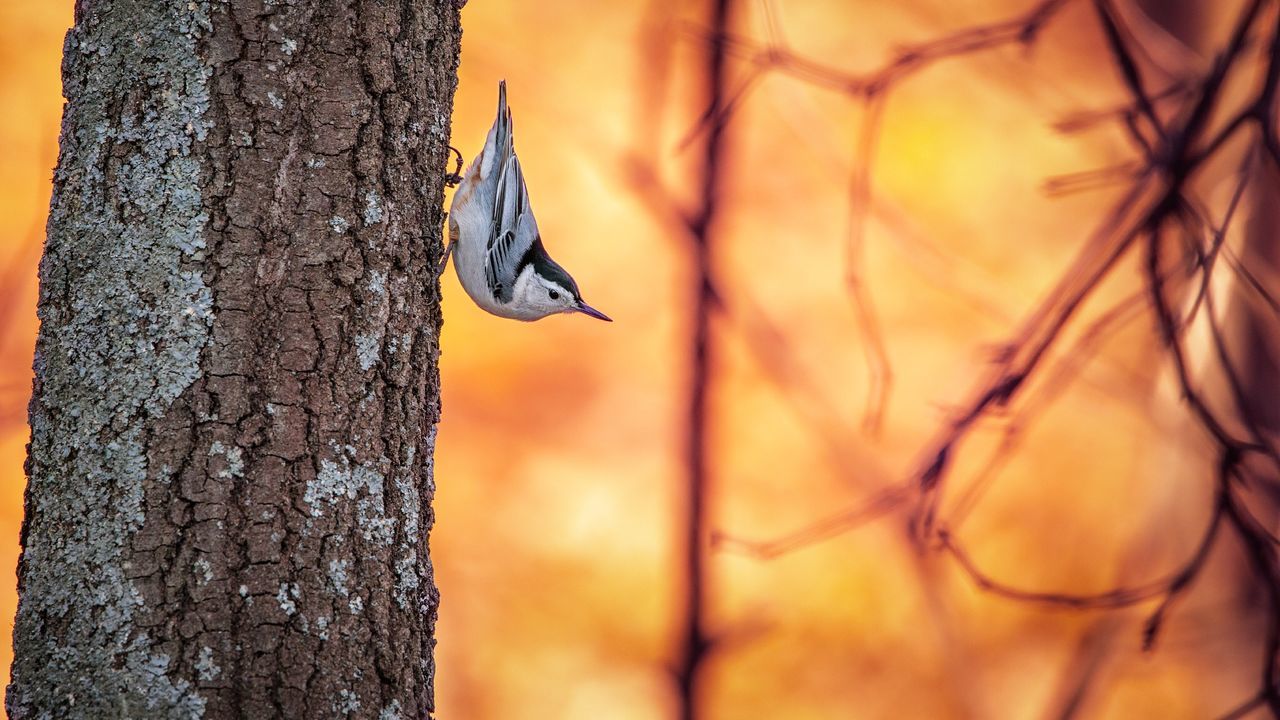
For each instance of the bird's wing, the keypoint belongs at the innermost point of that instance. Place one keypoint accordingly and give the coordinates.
(514, 231)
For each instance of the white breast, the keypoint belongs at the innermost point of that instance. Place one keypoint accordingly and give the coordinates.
(472, 218)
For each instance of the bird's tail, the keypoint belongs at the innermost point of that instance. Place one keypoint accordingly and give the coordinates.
(503, 130)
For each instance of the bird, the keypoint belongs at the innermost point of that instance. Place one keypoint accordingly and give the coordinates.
(494, 241)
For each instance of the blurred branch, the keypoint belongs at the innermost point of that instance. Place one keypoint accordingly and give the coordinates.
(1151, 203)
(872, 88)
(1156, 199)
(879, 371)
(1079, 675)
(1060, 377)
(1118, 41)
(1125, 113)
(1248, 706)
(881, 504)
(1208, 259)
(1170, 588)
(1254, 283)
(1107, 600)
(775, 56)
(1084, 180)
(1178, 131)
(1261, 554)
(696, 638)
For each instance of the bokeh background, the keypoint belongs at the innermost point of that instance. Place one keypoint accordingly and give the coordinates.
(560, 459)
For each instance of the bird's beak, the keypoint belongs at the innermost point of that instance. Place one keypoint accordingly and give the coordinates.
(586, 309)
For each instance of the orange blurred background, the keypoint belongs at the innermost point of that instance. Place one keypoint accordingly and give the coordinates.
(558, 461)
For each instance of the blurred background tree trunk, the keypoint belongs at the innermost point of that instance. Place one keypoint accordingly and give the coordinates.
(236, 388)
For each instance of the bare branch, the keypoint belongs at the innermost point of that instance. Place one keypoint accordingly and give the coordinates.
(881, 504)
(879, 370)
(1115, 37)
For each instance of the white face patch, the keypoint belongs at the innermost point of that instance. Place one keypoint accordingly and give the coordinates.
(556, 294)
(537, 297)
(555, 298)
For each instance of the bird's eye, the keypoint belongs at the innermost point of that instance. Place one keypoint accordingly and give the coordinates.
(553, 294)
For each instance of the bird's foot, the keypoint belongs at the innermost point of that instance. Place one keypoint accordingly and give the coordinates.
(444, 261)
(452, 179)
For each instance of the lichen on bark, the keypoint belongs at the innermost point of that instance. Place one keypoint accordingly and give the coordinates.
(124, 316)
(230, 475)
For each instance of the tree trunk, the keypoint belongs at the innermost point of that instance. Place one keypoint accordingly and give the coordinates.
(230, 474)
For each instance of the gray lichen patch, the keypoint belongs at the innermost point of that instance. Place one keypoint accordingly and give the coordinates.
(348, 702)
(406, 584)
(363, 483)
(341, 479)
(125, 314)
(322, 627)
(391, 711)
(338, 576)
(376, 526)
(288, 594)
(368, 349)
(407, 579)
(234, 457)
(410, 500)
(378, 283)
(372, 208)
(203, 571)
(375, 313)
(205, 666)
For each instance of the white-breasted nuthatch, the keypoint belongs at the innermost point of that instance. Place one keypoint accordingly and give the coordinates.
(494, 239)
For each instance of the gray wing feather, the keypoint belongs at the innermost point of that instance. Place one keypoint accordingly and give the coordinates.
(512, 230)
(513, 233)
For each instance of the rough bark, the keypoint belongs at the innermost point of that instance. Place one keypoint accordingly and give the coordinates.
(236, 391)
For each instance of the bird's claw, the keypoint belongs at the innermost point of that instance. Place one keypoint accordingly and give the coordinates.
(444, 261)
(452, 179)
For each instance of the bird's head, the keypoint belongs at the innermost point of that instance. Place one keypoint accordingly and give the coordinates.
(544, 288)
